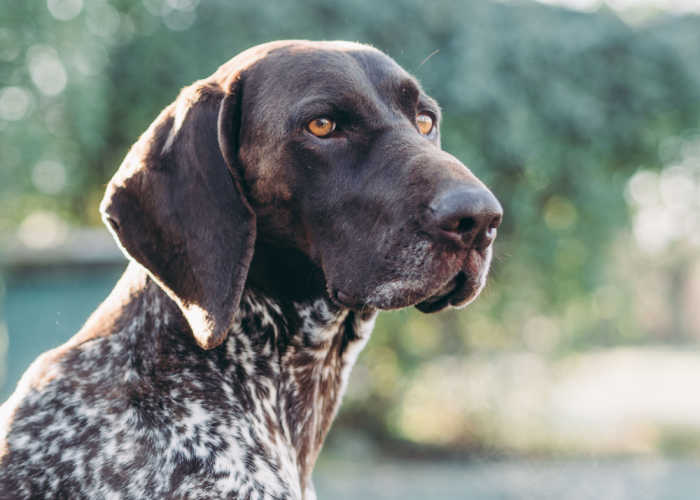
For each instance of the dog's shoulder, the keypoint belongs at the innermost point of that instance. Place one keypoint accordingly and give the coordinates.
(61, 402)
(136, 405)
(68, 366)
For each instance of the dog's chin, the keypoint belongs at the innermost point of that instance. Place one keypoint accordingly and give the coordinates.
(457, 292)
(463, 288)
(458, 289)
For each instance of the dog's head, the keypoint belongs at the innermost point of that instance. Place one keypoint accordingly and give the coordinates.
(325, 152)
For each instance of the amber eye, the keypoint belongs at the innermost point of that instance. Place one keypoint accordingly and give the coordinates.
(321, 127)
(424, 122)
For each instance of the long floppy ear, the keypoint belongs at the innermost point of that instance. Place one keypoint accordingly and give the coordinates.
(176, 207)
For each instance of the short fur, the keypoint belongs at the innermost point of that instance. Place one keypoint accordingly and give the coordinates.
(260, 255)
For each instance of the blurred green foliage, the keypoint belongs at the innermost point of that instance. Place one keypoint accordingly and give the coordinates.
(553, 109)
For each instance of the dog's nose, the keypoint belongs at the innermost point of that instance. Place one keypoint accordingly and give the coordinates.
(469, 215)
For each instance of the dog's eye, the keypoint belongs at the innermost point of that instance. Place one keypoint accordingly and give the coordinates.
(424, 122)
(321, 127)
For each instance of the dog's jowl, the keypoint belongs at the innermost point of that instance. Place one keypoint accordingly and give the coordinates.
(268, 214)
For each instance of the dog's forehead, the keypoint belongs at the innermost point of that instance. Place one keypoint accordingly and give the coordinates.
(300, 68)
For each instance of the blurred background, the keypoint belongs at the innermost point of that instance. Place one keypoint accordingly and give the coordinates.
(574, 375)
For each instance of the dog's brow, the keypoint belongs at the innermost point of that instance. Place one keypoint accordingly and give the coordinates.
(409, 91)
(348, 103)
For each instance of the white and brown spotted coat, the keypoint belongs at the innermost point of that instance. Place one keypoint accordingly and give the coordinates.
(143, 412)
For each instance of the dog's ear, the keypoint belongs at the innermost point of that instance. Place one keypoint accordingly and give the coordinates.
(177, 207)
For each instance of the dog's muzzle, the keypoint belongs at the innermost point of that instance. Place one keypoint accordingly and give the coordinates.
(466, 217)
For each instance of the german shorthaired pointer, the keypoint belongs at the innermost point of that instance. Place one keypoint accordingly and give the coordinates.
(268, 214)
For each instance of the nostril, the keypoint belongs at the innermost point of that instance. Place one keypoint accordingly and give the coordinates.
(489, 233)
(466, 225)
(494, 224)
(459, 225)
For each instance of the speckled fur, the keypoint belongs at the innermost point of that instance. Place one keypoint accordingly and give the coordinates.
(145, 411)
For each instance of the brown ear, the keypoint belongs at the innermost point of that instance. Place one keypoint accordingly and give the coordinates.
(177, 208)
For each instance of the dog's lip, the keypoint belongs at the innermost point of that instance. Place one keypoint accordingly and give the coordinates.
(446, 295)
(457, 291)
(460, 288)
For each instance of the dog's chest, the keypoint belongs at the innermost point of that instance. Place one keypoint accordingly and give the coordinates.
(141, 412)
(288, 371)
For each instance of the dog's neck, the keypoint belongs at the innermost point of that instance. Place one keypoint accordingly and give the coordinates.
(283, 272)
(310, 348)
(285, 362)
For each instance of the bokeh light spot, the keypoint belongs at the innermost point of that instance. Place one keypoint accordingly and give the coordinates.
(102, 19)
(14, 103)
(642, 188)
(49, 176)
(179, 20)
(186, 5)
(666, 204)
(46, 69)
(41, 230)
(64, 10)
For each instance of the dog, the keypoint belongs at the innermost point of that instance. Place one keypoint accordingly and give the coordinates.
(267, 214)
